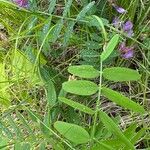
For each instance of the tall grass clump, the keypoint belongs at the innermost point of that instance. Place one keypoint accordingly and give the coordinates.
(74, 74)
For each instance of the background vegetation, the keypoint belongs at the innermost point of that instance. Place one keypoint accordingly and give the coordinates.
(65, 83)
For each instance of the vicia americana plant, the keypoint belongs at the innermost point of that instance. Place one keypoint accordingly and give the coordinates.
(84, 87)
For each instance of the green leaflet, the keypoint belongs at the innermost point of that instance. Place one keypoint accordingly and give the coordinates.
(80, 87)
(72, 132)
(76, 105)
(110, 47)
(82, 13)
(84, 71)
(52, 6)
(67, 7)
(122, 100)
(119, 74)
(111, 126)
(58, 27)
(100, 22)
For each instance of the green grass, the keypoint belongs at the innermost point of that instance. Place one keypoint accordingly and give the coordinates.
(40, 48)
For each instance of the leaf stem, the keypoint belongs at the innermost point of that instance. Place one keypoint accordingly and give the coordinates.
(98, 101)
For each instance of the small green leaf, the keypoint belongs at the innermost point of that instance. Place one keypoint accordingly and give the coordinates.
(121, 74)
(51, 6)
(110, 47)
(84, 71)
(101, 26)
(80, 87)
(72, 132)
(111, 126)
(122, 100)
(76, 105)
(83, 12)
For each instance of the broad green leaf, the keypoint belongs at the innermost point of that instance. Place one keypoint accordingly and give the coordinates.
(122, 100)
(84, 71)
(76, 105)
(110, 47)
(121, 74)
(112, 127)
(72, 132)
(80, 87)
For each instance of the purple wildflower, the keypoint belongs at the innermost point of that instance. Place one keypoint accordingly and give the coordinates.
(120, 9)
(122, 46)
(116, 22)
(126, 52)
(21, 3)
(130, 33)
(127, 26)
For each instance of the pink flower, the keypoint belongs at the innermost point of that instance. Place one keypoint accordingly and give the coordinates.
(22, 3)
